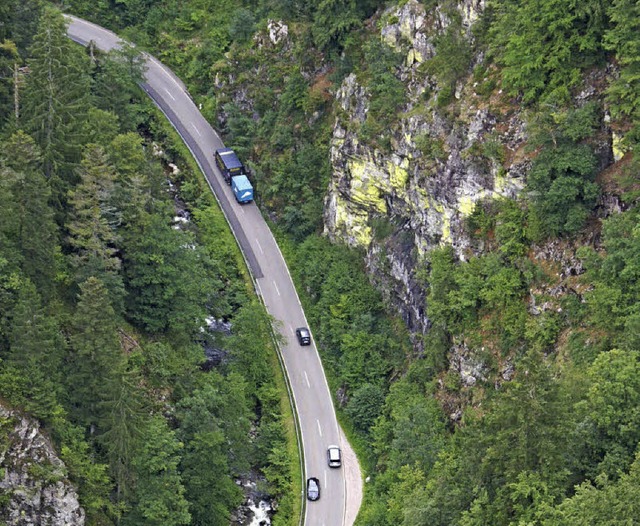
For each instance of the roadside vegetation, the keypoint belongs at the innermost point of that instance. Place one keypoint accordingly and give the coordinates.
(549, 432)
(104, 296)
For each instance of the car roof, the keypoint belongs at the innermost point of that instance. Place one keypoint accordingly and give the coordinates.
(303, 329)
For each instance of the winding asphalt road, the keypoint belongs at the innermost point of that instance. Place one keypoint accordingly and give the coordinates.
(341, 489)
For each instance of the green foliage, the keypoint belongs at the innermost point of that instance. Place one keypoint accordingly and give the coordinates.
(332, 22)
(562, 176)
(95, 358)
(386, 92)
(613, 302)
(115, 87)
(453, 54)
(414, 426)
(166, 277)
(545, 45)
(606, 503)
(250, 344)
(482, 293)
(20, 21)
(98, 384)
(242, 25)
(612, 407)
(27, 225)
(92, 235)
(213, 423)
(159, 497)
(55, 98)
(8, 62)
(431, 148)
(622, 38)
(365, 406)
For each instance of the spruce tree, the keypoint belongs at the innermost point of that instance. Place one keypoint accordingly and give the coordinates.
(122, 424)
(36, 349)
(27, 220)
(96, 362)
(56, 98)
(92, 229)
(159, 498)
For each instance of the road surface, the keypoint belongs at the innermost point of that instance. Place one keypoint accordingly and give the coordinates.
(340, 489)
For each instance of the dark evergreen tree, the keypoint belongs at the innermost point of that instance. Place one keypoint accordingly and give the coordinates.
(159, 498)
(9, 62)
(214, 423)
(55, 99)
(19, 22)
(92, 228)
(36, 349)
(96, 362)
(27, 221)
(122, 425)
(116, 77)
(165, 276)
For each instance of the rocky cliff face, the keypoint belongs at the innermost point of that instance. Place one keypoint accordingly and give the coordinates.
(34, 488)
(402, 203)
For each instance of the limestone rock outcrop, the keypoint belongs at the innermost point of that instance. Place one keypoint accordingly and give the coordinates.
(401, 202)
(34, 488)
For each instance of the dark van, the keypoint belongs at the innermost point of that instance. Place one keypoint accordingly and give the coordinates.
(228, 163)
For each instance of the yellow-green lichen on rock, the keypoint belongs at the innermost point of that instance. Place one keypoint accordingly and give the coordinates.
(414, 57)
(466, 205)
(499, 182)
(446, 229)
(353, 223)
(618, 146)
(399, 175)
(363, 191)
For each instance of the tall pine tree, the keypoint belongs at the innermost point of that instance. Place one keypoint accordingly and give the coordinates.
(92, 229)
(55, 98)
(96, 361)
(26, 219)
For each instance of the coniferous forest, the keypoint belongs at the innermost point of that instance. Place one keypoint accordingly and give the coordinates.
(103, 297)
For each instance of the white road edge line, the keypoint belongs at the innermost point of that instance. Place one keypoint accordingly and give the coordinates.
(319, 428)
(169, 93)
(276, 286)
(307, 379)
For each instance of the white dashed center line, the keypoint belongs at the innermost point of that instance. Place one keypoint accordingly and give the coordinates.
(169, 93)
(307, 379)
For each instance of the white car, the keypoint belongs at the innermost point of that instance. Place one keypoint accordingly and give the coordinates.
(334, 457)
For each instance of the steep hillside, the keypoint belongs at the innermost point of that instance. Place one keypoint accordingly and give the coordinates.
(455, 188)
(472, 165)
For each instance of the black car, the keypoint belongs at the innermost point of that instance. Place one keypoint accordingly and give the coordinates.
(304, 336)
(313, 488)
